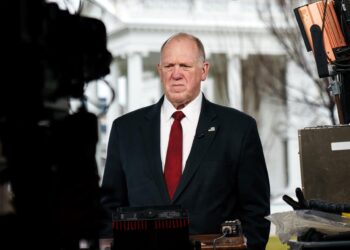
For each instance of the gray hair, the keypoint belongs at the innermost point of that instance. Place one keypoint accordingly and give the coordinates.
(186, 35)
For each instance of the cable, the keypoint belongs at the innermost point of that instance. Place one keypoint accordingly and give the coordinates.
(342, 70)
(216, 239)
(99, 106)
(341, 65)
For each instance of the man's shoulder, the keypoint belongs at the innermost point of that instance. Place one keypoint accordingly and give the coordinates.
(229, 113)
(137, 114)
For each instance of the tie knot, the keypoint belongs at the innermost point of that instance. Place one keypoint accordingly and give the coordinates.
(178, 115)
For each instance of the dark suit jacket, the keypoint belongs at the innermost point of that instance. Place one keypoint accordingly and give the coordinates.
(225, 176)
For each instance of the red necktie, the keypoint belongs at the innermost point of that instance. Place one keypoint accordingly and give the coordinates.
(173, 161)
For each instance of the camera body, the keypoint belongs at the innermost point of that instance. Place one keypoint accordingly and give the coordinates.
(49, 154)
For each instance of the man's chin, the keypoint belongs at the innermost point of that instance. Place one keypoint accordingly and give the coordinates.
(179, 101)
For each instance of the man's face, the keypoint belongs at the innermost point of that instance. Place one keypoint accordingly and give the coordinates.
(181, 70)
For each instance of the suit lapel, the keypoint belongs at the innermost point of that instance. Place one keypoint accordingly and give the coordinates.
(151, 134)
(205, 133)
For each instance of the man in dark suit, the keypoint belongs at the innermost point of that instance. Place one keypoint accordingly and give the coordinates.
(224, 175)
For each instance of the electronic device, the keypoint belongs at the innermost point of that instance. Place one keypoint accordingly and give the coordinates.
(232, 228)
(153, 228)
(325, 28)
(312, 15)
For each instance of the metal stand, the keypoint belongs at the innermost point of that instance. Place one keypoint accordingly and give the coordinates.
(334, 88)
(300, 245)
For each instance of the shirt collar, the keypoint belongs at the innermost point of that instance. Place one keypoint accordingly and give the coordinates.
(191, 110)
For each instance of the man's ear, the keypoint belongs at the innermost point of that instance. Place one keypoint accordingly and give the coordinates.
(205, 70)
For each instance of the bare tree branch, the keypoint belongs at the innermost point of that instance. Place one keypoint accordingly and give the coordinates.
(278, 15)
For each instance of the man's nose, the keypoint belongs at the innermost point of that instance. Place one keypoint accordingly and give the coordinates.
(177, 72)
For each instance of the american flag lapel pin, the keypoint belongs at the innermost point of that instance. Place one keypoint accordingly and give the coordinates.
(211, 129)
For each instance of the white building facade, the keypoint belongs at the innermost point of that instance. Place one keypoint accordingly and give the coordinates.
(235, 40)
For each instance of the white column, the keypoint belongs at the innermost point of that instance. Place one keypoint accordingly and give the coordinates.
(106, 120)
(208, 85)
(92, 95)
(294, 172)
(114, 109)
(134, 74)
(234, 81)
(295, 121)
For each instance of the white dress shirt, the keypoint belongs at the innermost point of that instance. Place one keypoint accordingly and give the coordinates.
(189, 125)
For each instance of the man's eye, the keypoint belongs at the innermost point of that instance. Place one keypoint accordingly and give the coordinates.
(185, 67)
